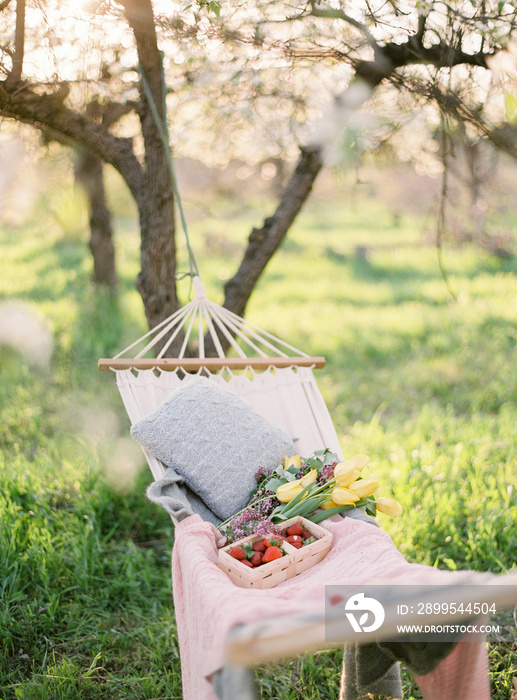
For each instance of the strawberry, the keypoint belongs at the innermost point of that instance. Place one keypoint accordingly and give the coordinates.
(242, 551)
(306, 534)
(259, 546)
(272, 553)
(273, 541)
(294, 539)
(247, 562)
(256, 558)
(237, 552)
(295, 529)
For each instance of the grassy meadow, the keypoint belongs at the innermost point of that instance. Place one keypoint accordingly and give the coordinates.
(423, 383)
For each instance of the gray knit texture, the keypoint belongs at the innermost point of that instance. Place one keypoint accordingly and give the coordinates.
(215, 441)
(369, 674)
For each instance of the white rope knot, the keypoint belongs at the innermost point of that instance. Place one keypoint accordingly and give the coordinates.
(199, 288)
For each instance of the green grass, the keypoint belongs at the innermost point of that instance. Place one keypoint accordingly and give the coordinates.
(423, 384)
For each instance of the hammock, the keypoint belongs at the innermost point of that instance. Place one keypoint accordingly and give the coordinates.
(277, 380)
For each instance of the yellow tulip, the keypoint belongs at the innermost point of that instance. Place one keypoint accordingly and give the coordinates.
(309, 477)
(294, 461)
(286, 492)
(355, 462)
(344, 497)
(364, 487)
(345, 475)
(329, 504)
(389, 506)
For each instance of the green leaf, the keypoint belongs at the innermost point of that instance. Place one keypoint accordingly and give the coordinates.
(371, 508)
(330, 458)
(215, 7)
(273, 484)
(314, 463)
(279, 517)
(324, 514)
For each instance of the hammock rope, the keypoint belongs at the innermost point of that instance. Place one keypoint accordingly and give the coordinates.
(163, 132)
(202, 318)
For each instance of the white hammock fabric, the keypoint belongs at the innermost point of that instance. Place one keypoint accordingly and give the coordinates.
(288, 398)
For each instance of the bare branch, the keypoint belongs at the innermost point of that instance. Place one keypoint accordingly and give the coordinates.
(503, 137)
(48, 110)
(4, 4)
(332, 13)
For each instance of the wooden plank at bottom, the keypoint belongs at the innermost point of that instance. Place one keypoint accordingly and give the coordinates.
(290, 635)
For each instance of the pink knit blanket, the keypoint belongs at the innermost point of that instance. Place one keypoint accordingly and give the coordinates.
(207, 604)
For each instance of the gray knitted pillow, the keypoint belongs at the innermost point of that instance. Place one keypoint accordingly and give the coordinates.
(215, 441)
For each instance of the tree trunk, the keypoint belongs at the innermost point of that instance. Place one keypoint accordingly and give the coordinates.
(19, 43)
(89, 175)
(156, 281)
(263, 242)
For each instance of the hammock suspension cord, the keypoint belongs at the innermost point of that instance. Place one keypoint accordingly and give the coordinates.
(163, 132)
(202, 315)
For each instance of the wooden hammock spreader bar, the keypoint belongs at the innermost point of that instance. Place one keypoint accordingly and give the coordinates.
(210, 363)
(287, 636)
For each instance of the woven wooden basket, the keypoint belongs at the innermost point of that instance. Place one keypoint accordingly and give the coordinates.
(274, 572)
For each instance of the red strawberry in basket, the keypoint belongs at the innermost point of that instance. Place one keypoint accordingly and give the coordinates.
(237, 552)
(241, 551)
(295, 529)
(256, 558)
(273, 541)
(271, 554)
(259, 546)
(295, 540)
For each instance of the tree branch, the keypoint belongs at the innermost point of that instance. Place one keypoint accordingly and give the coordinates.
(503, 137)
(264, 242)
(333, 13)
(48, 110)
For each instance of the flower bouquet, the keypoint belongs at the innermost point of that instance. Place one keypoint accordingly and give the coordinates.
(315, 489)
(277, 535)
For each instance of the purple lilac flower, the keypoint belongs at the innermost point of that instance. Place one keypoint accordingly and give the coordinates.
(326, 473)
(262, 473)
(248, 523)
